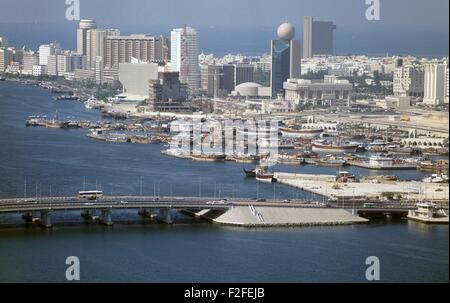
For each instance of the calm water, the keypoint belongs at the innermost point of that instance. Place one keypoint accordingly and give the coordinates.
(57, 161)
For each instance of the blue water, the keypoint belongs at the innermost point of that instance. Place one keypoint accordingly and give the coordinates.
(372, 41)
(57, 161)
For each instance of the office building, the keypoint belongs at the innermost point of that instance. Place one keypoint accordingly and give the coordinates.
(434, 80)
(52, 65)
(409, 81)
(3, 42)
(5, 59)
(167, 93)
(29, 60)
(330, 91)
(184, 57)
(46, 50)
(286, 60)
(99, 70)
(83, 28)
(64, 64)
(78, 61)
(317, 37)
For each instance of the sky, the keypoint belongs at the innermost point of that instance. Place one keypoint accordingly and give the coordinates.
(230, 13)
(418, 27)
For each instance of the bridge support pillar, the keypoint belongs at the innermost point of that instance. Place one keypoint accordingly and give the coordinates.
(46, 219)
(105, 217)
(29, 217)
(165, 216)
(146, 214)
(90, 215)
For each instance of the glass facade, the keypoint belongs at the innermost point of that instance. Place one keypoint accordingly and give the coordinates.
(281, 54)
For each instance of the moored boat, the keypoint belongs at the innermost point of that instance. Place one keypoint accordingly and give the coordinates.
(301, 133)
(331, 147)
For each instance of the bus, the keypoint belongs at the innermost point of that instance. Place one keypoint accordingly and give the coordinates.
(90, 194)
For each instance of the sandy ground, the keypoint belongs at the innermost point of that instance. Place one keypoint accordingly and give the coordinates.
(323, 185)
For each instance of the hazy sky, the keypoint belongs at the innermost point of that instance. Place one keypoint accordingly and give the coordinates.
(431, 14)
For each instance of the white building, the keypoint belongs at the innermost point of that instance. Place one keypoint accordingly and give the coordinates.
(330, 91)
(135, 79)
(3, 42)
(46, 50)
(5, 58)
(184, 57)
(29, 60)
(409, 81)
(38, 70)
(435, 79)
(82, 30)
(395, 102)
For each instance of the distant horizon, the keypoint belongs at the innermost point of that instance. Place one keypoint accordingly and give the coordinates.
(251, 41)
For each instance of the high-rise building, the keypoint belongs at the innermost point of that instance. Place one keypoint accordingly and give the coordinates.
(29, 60)
(286, 59)
(83, 28)
(120, 49)
(243, 73)
(99, 70)
(96, 41)
(5, 59)
(3, 42)
(409, 81)
(46, 50)
(78, 61)
(446, 90)
(184, 56)
(317, 37)
(64, 64)
(435, 78)
(52, 65)
(167, 93)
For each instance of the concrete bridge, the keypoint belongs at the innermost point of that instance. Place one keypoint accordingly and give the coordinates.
(39, 209)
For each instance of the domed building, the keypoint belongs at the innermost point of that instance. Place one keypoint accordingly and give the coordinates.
(251, 89)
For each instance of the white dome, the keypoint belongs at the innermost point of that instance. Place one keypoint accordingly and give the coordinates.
(248, 89)
(286, 31)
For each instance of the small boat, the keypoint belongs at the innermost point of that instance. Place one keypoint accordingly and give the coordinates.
(264, 175)
(250, 173)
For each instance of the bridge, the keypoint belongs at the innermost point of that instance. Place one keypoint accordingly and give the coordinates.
(44, 206)
(40, 209)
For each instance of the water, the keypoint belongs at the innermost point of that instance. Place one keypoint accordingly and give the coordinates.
(377, 41)
(56, 162)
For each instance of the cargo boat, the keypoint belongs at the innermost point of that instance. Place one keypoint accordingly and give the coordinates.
(330, 147)
(301, 133)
